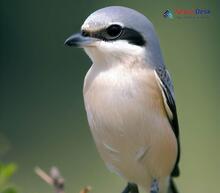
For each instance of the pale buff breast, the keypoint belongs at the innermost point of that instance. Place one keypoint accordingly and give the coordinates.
(129, 124)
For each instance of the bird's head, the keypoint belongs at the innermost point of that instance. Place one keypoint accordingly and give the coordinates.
(117, 34)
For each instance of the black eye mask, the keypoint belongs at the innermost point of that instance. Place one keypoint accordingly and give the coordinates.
(116, 32)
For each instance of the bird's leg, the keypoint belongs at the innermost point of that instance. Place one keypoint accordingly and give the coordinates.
(127, 189)
(154, 187)
(131, 188)
(134, 188)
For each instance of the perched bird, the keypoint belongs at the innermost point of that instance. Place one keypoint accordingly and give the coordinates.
(129, 99)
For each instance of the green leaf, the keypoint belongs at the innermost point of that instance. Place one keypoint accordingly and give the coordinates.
(9, 190)
(8, 170)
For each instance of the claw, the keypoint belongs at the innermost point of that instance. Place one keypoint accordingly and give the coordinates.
(154, 187)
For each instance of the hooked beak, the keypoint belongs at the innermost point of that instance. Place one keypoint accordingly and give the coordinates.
(77, 40)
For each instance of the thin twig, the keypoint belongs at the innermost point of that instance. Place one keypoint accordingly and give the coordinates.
(86, 189)
(56, 180)
(44, 176)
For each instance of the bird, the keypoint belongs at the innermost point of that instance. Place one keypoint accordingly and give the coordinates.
(129, 99)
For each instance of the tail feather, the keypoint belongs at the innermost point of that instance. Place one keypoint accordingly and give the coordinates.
(172, 188)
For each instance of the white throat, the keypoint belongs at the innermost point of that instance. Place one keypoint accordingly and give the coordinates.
(109, 54)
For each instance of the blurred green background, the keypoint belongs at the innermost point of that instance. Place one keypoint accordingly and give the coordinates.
(42, 116)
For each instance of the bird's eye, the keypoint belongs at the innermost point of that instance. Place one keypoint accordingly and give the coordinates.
(85, 33)
(114, 31)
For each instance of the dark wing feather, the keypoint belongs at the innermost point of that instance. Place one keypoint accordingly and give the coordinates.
(168, 94)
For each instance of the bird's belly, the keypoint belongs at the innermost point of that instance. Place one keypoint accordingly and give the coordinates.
(132, 135)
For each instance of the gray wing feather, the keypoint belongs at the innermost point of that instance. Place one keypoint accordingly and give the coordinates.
(169, 100)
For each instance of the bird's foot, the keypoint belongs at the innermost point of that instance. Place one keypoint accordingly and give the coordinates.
(154, 187)
(131, 188)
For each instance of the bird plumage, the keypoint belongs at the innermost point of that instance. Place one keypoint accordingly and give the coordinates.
(129, 99)
(129, 123)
